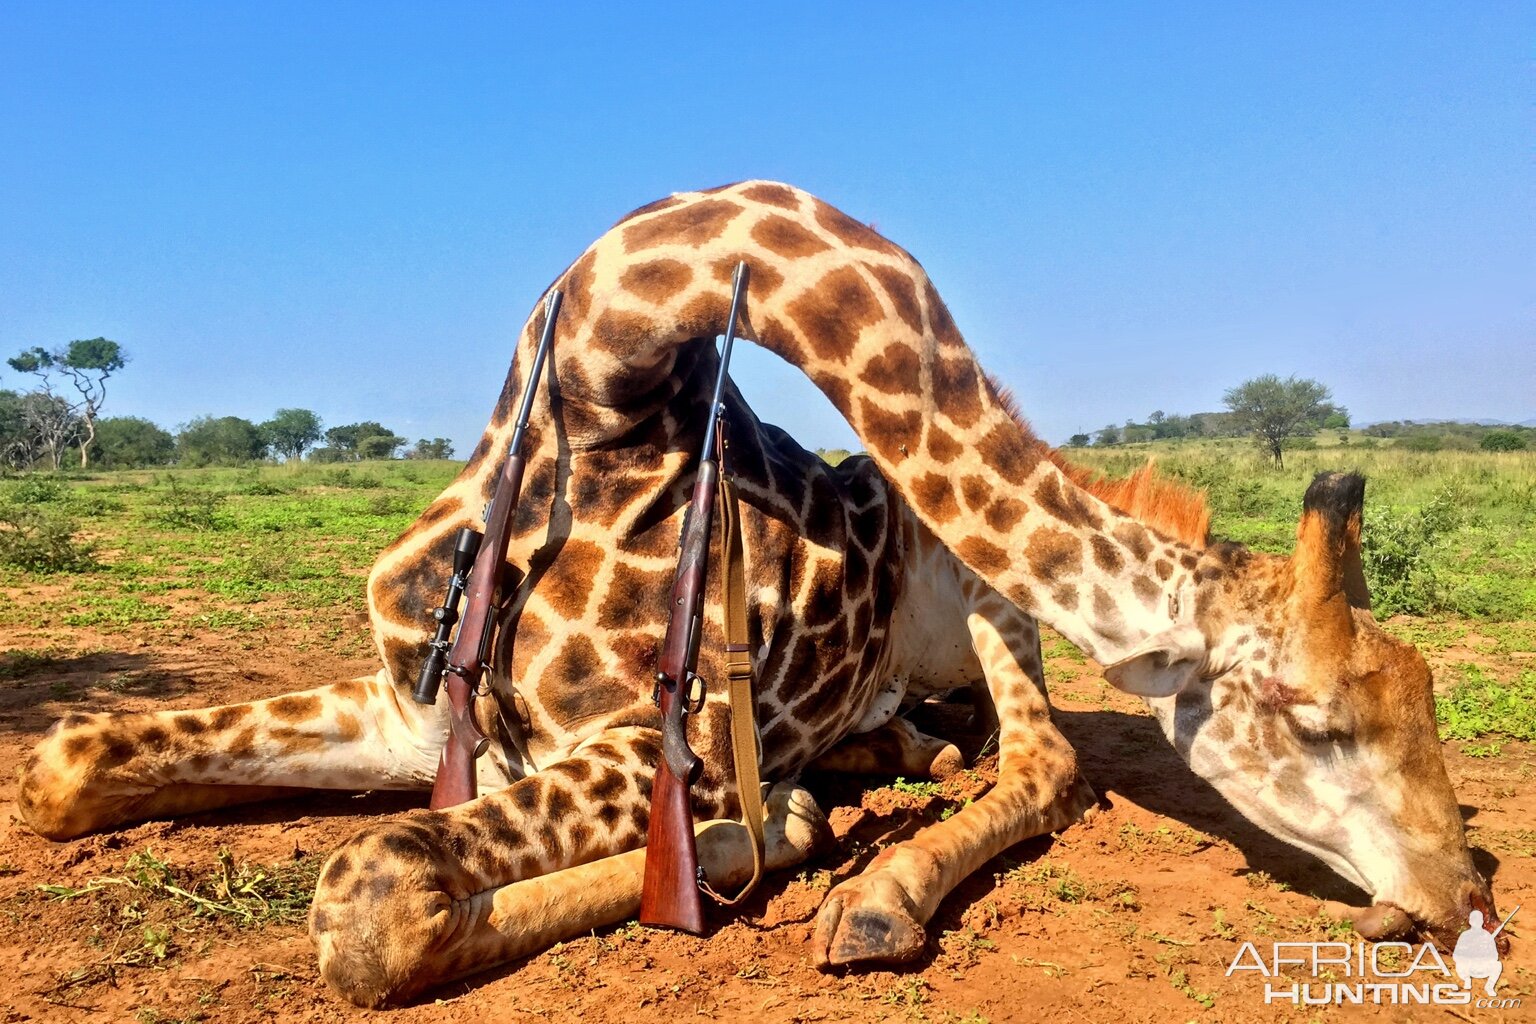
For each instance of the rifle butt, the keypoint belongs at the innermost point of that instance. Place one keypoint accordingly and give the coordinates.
(455, 782)
(669, 897)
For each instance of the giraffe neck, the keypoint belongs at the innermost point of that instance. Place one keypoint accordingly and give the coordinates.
(860, 318)
(1099, 577)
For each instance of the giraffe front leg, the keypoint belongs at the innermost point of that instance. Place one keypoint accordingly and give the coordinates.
(439, 895)
(94, 772)
(896, 748)
(880, 914)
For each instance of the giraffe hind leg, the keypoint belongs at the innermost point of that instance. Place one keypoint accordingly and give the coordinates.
(95, 772)
(880, 914)
(895, 748)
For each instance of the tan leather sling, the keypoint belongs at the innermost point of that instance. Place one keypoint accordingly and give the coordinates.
(745, 744)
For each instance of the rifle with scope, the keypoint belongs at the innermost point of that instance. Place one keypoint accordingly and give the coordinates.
(479, 562)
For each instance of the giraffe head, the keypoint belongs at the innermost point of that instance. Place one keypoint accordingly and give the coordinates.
(1280, 690)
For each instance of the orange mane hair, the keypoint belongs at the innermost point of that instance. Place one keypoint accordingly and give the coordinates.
(1164, 504)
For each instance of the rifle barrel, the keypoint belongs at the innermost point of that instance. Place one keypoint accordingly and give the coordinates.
(738, 292)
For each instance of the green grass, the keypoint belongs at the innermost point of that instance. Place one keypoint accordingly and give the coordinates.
(245, 894)
(1481, 706)
(293, 540)
(1445, 532)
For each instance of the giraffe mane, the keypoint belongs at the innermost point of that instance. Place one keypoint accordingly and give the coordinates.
(1167, 505)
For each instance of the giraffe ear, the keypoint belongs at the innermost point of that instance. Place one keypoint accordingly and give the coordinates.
(1162, 665)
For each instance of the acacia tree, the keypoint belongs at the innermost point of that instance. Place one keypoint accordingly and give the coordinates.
(291, 432)
(1275, 409)
(437, 448)
(367, 440)
(86, 364)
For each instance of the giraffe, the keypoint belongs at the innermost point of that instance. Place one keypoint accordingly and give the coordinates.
(917, 569)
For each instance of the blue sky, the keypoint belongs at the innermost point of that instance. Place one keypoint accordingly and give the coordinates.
(352, 207)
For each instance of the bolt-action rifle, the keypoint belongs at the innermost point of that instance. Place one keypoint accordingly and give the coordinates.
(673, 878)
(479, 560)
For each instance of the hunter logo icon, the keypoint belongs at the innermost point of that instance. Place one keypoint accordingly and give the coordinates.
(1477, 952)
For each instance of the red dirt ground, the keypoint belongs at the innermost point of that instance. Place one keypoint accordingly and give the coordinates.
(1133, 916)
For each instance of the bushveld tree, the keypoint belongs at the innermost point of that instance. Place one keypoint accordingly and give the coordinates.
(50, 424)
(366, 440)
(291, 432)
(1108, 436)
(221, 441)
(128, 442)
(34, 426)
(1078, 441)
(86, 364)
(1502, 441)
(437, 448)
(1274, 410)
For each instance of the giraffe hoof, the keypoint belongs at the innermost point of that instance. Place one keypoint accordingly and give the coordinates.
(858, 926)
(947, 763)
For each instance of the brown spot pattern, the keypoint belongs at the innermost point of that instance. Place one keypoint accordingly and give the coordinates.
(786, 238)
(658, 280)
(900, 290)
(942, 448)
(975, 491)
(770, 194)
(955, 391)
(1004, 513)
(692, 225)
(893, 371)
(1105, 555)
(1001, 449)
(934, 494)
(569, 582)
(621, 331)
(1054, 554)
(982, 555)
(850, 232)
(1064, 502)
(940, 323)
(1135, 538)
(888, 433)
(832, 313)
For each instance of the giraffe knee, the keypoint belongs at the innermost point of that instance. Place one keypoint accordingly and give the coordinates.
(381, 911)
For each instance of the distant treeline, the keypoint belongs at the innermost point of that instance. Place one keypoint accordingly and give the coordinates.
(1429, 436)
(36, 428)
(1160, 425)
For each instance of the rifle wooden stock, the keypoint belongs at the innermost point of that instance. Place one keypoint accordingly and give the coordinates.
(670, 896)
(455, 782)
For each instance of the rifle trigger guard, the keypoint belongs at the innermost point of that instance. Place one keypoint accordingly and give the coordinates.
(693, 699)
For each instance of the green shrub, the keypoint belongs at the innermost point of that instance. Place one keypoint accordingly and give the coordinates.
(345, 478)
(38, 490)
(1502, 441)
(1423, 442)
(1397, 549)
(189, 508)
(42, 539)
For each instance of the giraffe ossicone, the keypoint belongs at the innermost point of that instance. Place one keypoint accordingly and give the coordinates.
(923, 565)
